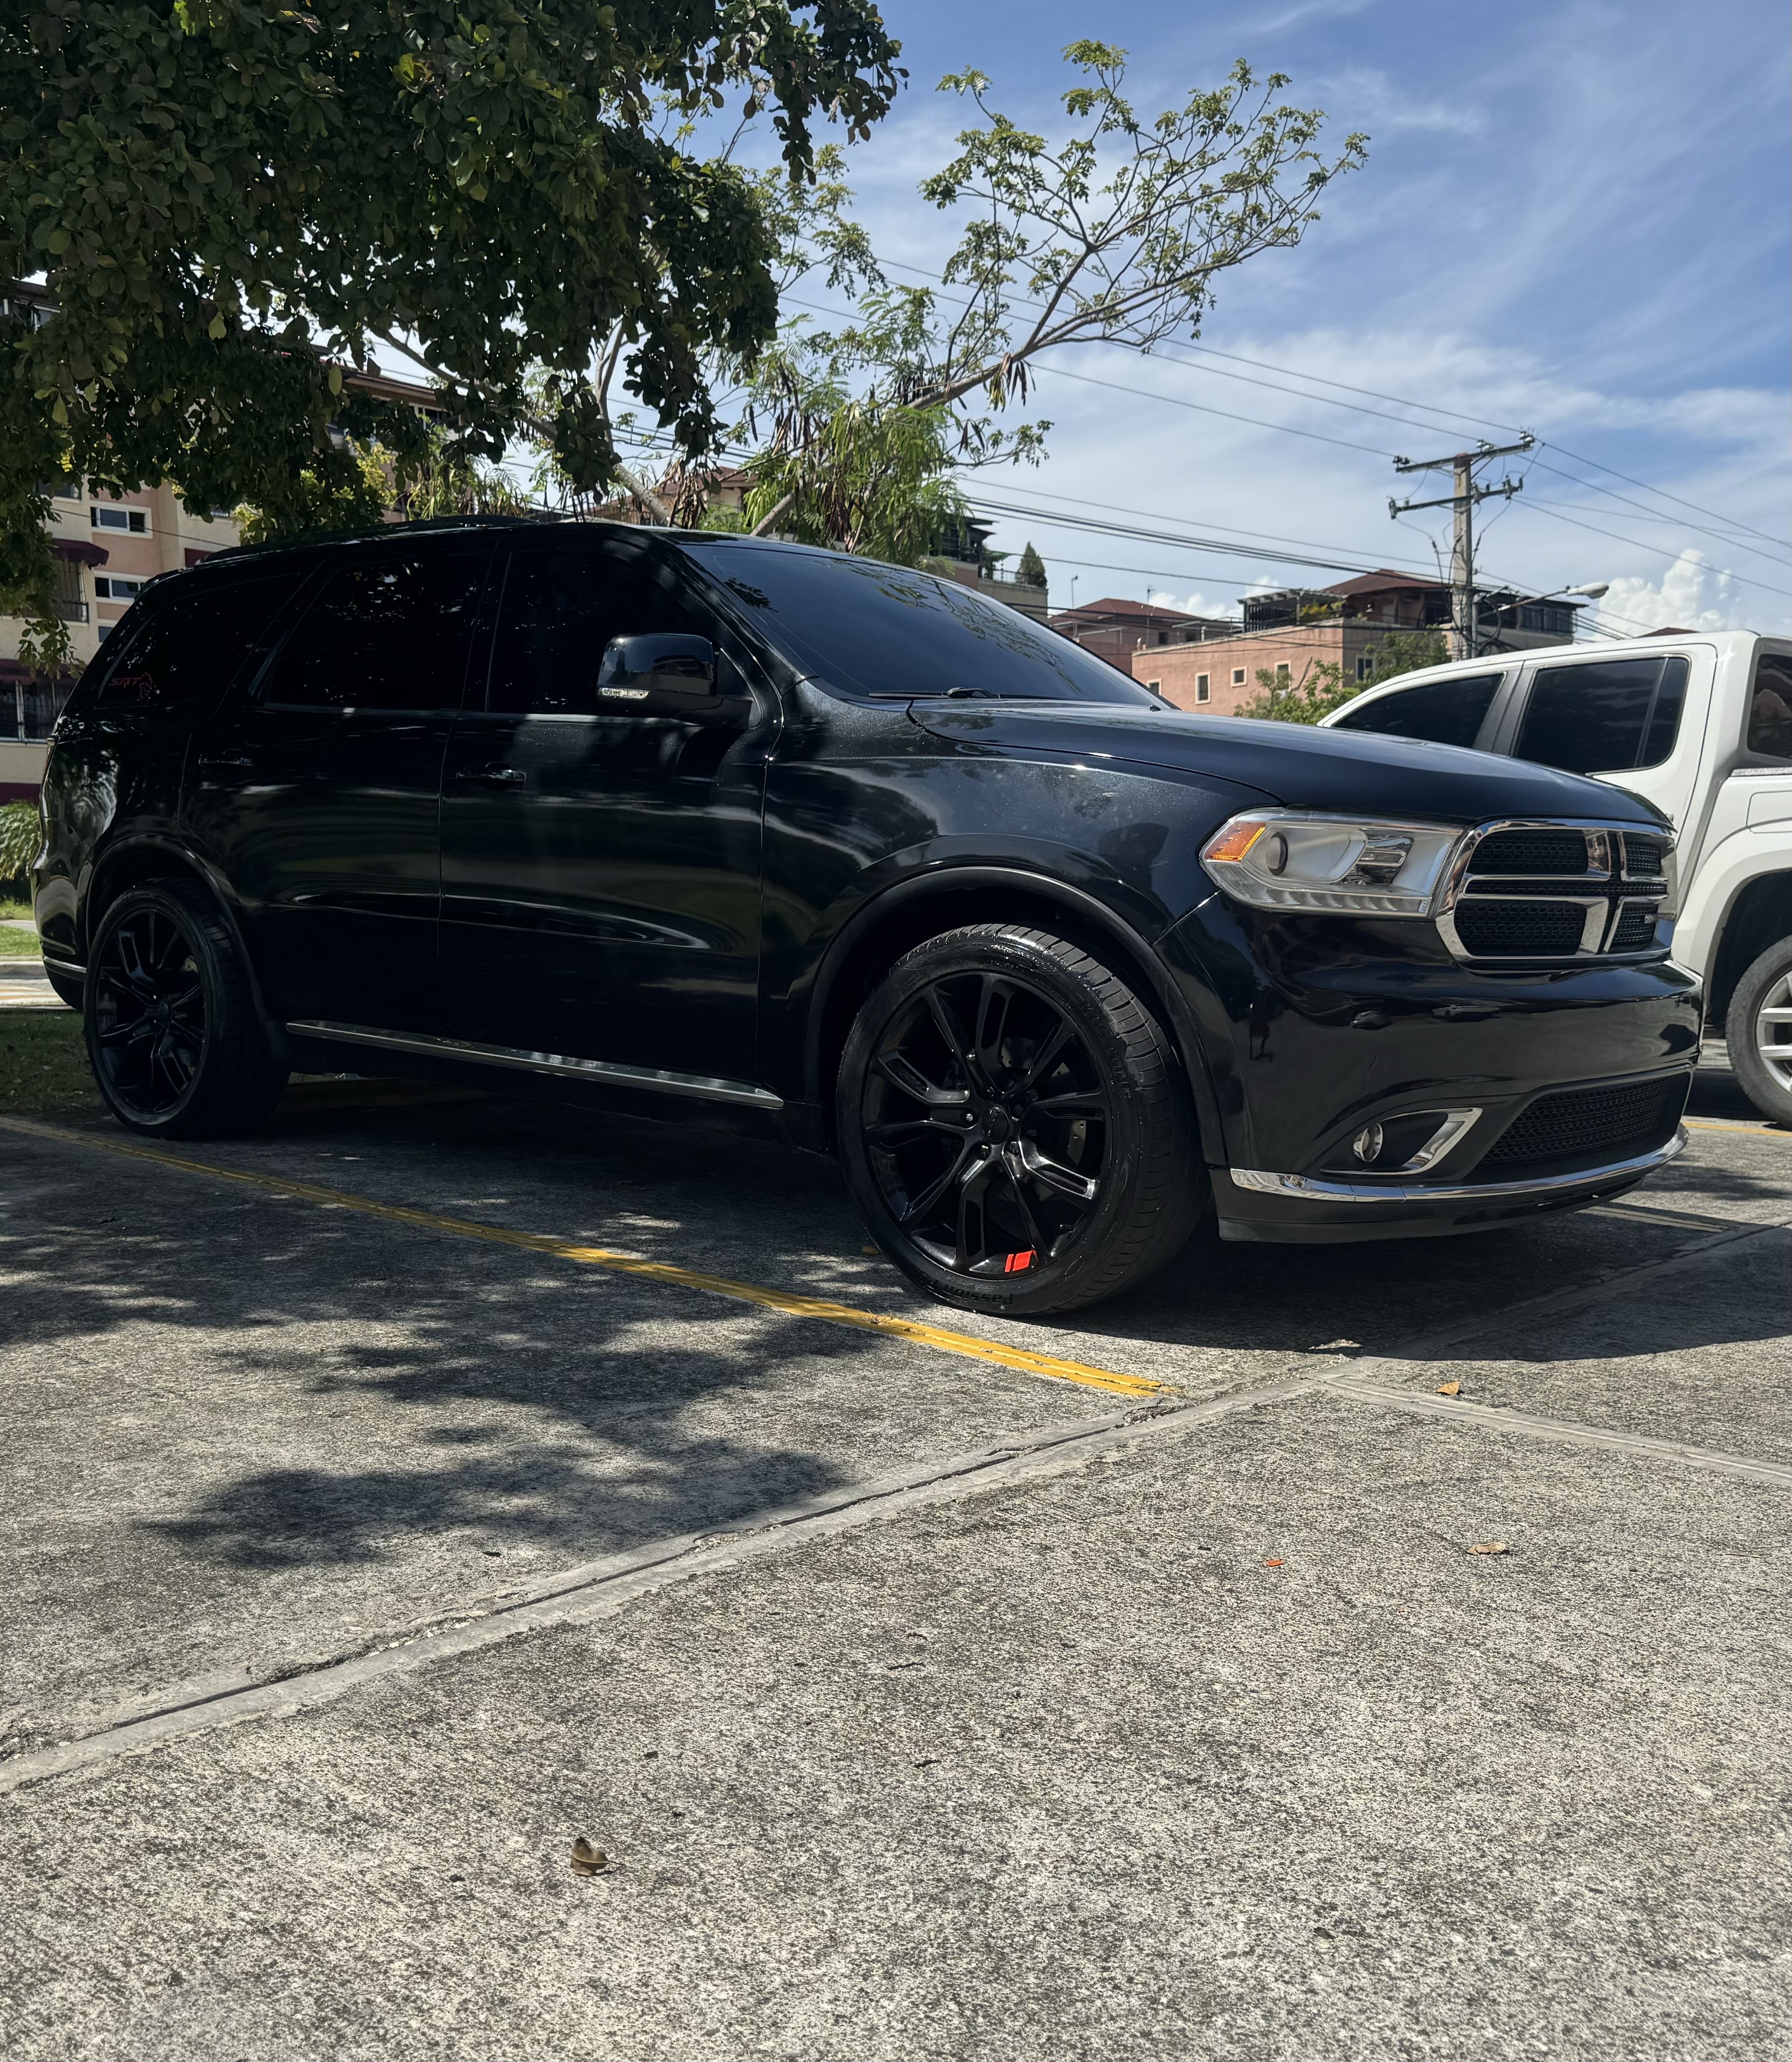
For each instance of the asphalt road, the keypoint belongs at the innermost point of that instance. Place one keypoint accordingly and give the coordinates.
(374, 1527)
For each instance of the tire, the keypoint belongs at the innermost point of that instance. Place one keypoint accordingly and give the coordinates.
(1014, 1124)
(1757, 1030)
(173, 1037)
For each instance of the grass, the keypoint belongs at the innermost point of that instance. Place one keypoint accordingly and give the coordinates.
(43, 1061)
(18, 944)
(11, 906)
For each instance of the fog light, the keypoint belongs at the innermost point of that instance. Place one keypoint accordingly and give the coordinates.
(1367, 1144)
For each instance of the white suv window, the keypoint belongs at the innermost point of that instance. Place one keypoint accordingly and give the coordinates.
(1442, 711)
(1606, 717)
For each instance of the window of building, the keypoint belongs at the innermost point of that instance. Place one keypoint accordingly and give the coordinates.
(1162, 637)
(1603, 718)
(1203, 690)
(136, 521)
(62, 490)
(108, 587)
(1238, 676)
(391, 631)
(1362, 667)
(1281, 673)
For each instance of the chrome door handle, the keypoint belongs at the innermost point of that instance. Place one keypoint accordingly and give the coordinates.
(497, 776)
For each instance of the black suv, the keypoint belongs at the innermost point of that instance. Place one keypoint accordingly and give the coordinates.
(804, 841)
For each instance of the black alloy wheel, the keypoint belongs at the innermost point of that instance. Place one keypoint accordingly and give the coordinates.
(173, 1037)
(1014, 1124)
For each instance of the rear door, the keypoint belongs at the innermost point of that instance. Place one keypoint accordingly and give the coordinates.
(601, 856)
(316, 790)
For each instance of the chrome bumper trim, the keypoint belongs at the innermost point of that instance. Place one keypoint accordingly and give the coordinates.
(64, 966)
(706, 1087)
(1360, 1192)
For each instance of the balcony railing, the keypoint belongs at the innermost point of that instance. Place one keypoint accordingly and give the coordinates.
(71, 612)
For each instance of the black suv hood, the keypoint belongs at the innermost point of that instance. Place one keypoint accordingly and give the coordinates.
(1346, 771)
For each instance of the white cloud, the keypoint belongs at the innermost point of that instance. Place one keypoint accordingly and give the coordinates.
(1194, 604)
(1692, 595)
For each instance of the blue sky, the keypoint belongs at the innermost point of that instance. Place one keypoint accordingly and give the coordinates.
(1573, 218)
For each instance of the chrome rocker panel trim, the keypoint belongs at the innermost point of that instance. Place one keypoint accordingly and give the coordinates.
(1317, 1191)
(69, 967)
(706, 1087)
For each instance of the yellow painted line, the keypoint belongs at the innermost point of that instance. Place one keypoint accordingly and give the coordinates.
(1731, 1124)
(1020, 1358)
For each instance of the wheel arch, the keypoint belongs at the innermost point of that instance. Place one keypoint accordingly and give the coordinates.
(1760, 916)
(909, 911)
(138, 861)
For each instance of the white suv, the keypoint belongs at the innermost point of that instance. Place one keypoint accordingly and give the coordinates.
(1702, 727)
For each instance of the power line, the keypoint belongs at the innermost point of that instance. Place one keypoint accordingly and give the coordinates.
(1169, 400)
(1173, 353)
(1175, 401)
(1663, 493)
(1543, 508)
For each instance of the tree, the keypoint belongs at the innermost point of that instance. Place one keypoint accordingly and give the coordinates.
(1322, 687)
(1030, 571)
(1117, 232)
(231, 201)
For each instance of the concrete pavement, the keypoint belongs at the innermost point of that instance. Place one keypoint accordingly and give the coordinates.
(1191, 1728)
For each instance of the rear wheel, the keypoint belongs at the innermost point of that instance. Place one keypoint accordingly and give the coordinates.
(173, 1037)
(1014, 1124)
(1757, 1030)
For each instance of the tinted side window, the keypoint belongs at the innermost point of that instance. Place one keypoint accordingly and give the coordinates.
(1770, 707)
(188, 644)
(1604, 718)
(389, 630)
(559, 610)
(1443, 712)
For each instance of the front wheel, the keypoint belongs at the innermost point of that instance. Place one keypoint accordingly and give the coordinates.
(175, 1045)
(1757, 1030)
(1014, 1124)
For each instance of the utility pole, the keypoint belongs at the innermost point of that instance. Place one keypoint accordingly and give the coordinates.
(1462, 501)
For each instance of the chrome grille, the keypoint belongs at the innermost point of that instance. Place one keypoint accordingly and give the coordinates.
(1537, 891)
(1532, 851)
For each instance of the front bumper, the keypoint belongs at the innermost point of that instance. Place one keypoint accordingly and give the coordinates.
(1257, 1207)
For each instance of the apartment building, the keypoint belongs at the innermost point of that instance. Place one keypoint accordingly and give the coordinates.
(1117, 630)
(1287, 633)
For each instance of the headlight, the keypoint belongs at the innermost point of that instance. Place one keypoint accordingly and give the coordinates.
(1285, 859)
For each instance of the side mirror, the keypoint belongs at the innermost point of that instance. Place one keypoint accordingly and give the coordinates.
(657, 663)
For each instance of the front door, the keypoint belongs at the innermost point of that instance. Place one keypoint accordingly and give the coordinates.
(601, 857)
(316, 791)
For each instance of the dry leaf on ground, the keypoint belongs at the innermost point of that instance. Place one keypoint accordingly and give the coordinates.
(587, 1860)
(1449, 1389)
(1491, 1546)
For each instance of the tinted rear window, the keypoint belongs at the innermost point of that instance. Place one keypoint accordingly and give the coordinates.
(1770, 707)
(1604, 717)
(1442, 711)
(874, 629)
(170, 650)
(390, 631)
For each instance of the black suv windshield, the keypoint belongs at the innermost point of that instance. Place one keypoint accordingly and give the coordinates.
(880, 630)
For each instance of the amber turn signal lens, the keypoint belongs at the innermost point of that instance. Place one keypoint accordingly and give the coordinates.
(1236, 840)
